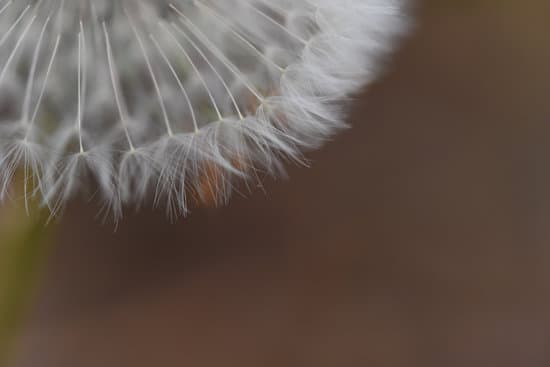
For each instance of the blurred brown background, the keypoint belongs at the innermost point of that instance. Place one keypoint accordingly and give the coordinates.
(418, 238)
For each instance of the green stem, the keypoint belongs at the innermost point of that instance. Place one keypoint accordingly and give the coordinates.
(24, 245)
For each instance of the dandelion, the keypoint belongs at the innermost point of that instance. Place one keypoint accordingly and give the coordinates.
(130, 100)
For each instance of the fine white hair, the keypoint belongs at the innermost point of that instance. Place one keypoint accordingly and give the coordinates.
(136, 99)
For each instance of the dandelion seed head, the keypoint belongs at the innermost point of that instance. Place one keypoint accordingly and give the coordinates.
(125, 99)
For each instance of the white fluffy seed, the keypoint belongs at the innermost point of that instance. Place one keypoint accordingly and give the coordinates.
(171, 97)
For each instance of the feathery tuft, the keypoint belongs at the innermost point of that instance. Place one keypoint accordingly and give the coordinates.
(135, 99)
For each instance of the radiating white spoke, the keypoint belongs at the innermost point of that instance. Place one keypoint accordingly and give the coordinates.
(119, 97)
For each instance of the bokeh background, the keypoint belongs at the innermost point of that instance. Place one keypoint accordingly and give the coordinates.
(420, 237)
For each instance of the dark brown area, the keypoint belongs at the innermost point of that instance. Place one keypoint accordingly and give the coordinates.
(420, 237)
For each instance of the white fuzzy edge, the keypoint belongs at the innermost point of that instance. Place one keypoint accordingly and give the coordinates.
(343, 57)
